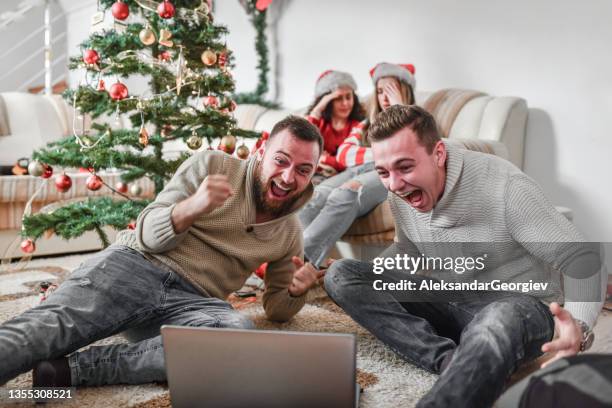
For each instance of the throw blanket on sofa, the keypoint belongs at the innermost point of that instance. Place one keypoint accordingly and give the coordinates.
(5, 129)
(446, 104)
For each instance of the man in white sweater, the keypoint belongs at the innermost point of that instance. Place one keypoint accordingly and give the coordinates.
(446, 200)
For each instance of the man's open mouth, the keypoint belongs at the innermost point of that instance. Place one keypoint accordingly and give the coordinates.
(414, 197)
(279, 191)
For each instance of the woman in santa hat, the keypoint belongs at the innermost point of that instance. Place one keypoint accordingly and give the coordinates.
(335, 111)
(341, 199)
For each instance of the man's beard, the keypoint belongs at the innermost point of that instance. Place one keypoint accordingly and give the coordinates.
(263, 205)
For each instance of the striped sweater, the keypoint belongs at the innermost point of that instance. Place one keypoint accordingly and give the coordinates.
(333, 139)
(490, 203)
(351, 152)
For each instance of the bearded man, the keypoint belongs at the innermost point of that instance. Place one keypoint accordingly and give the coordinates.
(216, 221)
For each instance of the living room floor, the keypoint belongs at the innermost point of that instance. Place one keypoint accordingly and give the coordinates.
(380, 372)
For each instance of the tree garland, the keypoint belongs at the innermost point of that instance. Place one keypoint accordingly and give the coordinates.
(257, 12)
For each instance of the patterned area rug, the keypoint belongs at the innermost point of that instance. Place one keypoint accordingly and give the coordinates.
(380, 372)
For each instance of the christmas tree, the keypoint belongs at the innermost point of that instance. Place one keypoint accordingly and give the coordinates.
(182, 53)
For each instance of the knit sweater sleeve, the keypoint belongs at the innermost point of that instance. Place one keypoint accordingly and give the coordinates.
(534, 222)
(278, 304)
(351, 152)
(154, 229)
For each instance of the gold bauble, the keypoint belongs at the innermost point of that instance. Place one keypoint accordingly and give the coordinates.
(135, 189)
(209, 58)
(147, 36)
(242, 152)
(228, 144)
(143, 136)
(194, 142)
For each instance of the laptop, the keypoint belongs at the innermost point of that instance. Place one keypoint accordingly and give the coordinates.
(212, 367)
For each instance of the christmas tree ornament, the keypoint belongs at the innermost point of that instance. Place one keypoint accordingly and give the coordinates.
(228, 144)
(147, 36)
(48, 171)
(194, 142)
(132, 225)
(94, 182)
(36, 168)
(27, 246)
(210, 101)
(232, 106)
(121, 187)
(91, 57)
(143, 136)
(222, 59)
(135, 189)
(209, 58)
(165, 38)
(242, 152)
(63, 182)
(164, 56)
(262, 5)
(165, 9)
(120, 10)
(118, 91)
(101, 86)
(166, 130)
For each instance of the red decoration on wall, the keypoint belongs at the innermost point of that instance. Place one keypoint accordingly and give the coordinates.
(262, 5)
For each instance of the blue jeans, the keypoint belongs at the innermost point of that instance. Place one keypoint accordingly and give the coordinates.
(480, 341)
(113, 291)
(333, 208)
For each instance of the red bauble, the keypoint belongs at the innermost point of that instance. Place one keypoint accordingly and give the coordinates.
(164, 56)
(120, 10)
(101, 86)
(48, 171)
(261, 270)
(94, 182)
(165, 9)
(91, 57)
(63, 183)
(28, 246)
(131, 225)
(118, 91)
(210, 101)
(121, 187)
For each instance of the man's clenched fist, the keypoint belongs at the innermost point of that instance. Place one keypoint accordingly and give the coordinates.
(304, 277)
(211, 194)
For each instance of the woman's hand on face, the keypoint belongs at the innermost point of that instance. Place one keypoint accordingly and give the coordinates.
(325, 100)
(393, 92)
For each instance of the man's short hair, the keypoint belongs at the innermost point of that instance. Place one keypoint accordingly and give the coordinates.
(398, 117)
(300, 128)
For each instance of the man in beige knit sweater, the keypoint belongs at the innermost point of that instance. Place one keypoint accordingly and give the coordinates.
(453, 204)
(215, 221)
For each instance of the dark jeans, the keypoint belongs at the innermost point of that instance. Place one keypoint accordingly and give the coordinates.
(485, 337)
(113, 291)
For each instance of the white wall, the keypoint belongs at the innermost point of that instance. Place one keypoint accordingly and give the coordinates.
(555, 54)
(29, 54)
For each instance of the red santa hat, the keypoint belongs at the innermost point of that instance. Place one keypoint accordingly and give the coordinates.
(331, 80)
(403, 72)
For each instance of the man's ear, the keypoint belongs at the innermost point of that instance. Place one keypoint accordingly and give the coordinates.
(440, 153)
(261, 150)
